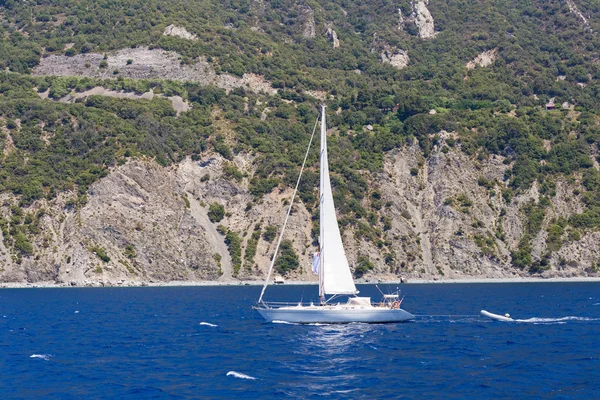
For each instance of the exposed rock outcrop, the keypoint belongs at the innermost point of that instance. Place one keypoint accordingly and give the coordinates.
(421, 17)
(307, 21)
(424, 20)
(143, 63)
(396, 57)
(179, 104)
(333, 38)
(484, 59)
(178, 31)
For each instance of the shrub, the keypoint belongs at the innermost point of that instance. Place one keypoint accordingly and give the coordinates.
(269, 233)
(129, 251)
(363, 266)
(287, 260)
(216, 212)
(22, 245)
(100, 252)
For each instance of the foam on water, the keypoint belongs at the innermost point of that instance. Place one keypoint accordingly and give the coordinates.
(41, 356)
(276, 321)
(240, 375)
(536, 320)
(208, 324)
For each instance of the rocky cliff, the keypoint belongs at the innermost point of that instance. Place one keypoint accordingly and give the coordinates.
(147, 223)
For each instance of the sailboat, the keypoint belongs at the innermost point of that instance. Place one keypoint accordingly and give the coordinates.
(335, 277)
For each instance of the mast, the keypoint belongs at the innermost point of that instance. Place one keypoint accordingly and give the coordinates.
(322, 166)
(287, 216)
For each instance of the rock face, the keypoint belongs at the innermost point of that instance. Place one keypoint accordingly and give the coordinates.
(147, 64)
(484, 59)
(421, 17)
(307, 20)
(396, 57)
(178, 31)
(333, 38)
(424, 20)
(451, 240)
(179, 104)
(146, 223)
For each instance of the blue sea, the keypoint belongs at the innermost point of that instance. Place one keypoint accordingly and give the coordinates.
(207, 342)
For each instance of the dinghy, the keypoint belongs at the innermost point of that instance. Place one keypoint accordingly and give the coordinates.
(506, 317)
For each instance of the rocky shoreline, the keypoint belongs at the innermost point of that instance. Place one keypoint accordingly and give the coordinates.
(21, 285)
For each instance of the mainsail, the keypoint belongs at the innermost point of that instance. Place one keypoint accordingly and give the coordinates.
(335, 276)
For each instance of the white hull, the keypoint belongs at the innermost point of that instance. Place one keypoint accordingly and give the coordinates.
(339, 314)
(496, 316)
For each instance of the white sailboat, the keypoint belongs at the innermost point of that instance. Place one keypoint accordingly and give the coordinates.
(335, 278)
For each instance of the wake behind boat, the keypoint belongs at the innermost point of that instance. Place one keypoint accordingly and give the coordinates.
(331, 264)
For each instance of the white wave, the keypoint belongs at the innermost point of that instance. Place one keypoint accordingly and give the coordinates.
(42, 356)
(76, 311)
(240, 375)
(555, 320)
(276, 321)
(595, 304)
(208, 324)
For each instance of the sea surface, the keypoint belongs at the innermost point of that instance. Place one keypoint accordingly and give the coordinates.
(207, 342)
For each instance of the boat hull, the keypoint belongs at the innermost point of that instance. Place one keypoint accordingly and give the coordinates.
(496, 316)
(334, 315)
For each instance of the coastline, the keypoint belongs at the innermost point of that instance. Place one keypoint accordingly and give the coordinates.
(32, 285)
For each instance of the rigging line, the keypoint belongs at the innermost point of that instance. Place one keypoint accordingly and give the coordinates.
(262, 292)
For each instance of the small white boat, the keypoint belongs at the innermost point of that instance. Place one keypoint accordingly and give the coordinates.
(331, 264)
(506, 317)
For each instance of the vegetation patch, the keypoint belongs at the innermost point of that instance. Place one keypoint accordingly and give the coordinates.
(486, 244)
(461, 202)
(99, 251)
(363, 266)
(287, 259)
(534, 216)
(216, 212)
(269, 233)
(234, 244)
(250, 251)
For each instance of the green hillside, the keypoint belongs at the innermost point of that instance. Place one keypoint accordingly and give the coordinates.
(545, 50)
